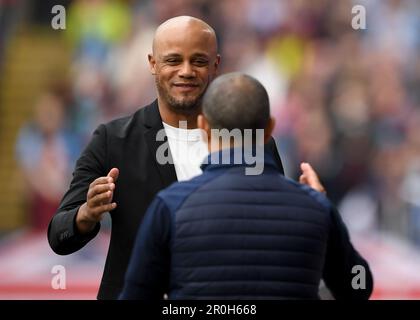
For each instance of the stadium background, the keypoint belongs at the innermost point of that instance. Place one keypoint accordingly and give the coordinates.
(345, 100)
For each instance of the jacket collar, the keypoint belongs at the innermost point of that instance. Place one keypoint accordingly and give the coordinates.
(243, 157)
(153, 124)
(152, 118)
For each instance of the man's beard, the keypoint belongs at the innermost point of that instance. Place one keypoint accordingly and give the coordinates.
(185, 106)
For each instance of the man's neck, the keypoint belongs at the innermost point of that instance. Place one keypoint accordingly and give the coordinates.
(217, 147)
(173, 119)
(214, 146)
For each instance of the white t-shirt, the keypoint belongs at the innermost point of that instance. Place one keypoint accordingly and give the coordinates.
(188, 151)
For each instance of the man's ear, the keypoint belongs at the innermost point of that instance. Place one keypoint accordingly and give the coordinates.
(152, 64)
(203, 124)
(216, 64)
(269, 129)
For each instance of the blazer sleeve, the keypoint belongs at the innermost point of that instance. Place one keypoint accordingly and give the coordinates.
(148, 272)
(346, 272)
(63, 236)
(272, 148)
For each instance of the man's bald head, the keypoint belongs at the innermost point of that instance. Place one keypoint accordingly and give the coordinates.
(184, 62)
(236, 100)
(181, 25)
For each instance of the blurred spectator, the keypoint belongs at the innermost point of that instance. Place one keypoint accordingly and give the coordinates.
(95, 25)
(410, 187)
(46, 156)
(130, 77)
(10, 17)
(96, 29)
(93, 100)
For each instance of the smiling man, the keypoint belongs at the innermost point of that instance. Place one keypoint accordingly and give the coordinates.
(118, 171)
(184, 61)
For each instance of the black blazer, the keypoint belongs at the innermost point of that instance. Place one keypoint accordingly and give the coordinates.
(130, 145)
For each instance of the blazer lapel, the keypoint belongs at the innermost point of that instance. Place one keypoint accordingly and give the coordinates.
(153, 123)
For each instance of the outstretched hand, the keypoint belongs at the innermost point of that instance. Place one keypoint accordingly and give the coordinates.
(310, 177)
(98, 201)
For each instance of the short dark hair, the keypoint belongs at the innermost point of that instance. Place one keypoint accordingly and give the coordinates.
(236, 100)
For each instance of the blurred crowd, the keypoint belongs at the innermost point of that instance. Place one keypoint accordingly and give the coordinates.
(345, 100)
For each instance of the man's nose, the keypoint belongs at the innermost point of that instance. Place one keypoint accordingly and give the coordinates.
(187, 70)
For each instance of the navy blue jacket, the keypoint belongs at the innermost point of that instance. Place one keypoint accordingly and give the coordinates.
(228, 235)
